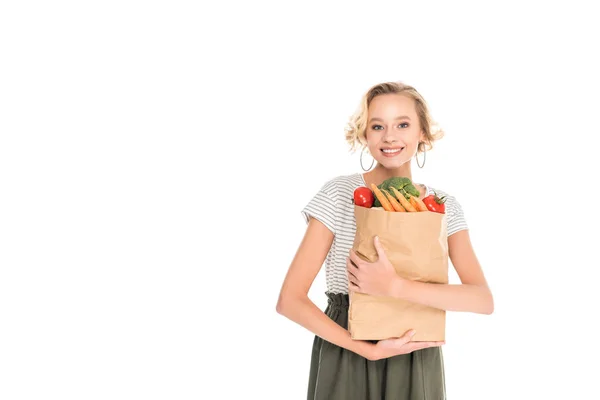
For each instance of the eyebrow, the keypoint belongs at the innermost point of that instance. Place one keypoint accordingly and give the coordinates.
(400, 117)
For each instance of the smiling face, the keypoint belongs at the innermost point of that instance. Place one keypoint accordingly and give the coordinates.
(393, 131)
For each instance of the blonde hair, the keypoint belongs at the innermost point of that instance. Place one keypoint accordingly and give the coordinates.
(357, 125)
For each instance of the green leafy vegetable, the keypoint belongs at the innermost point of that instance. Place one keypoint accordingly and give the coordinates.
(404, 186)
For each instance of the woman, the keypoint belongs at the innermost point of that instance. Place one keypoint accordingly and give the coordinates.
(394, 124)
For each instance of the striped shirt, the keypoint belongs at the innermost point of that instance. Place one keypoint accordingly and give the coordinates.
(332, 207)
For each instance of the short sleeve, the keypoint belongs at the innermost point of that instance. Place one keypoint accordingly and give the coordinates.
(321, 207)
(456, 216)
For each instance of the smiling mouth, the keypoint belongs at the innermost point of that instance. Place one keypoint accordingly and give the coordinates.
(391, 152)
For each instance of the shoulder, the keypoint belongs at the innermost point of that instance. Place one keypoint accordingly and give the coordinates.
(332, 203)
(342, 185)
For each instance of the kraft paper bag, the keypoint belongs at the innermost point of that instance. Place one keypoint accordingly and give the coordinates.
(416, 243)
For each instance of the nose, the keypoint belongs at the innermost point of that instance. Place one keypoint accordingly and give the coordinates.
(388, 137)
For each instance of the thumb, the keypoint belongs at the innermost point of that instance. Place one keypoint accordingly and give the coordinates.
(407, 337)
(402, 340)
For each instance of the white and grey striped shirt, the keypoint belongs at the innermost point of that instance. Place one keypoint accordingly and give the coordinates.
(332, 206)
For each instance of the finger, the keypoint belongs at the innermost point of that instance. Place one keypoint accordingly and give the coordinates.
(353, 279)
(407, 337)
(354, 287)
(430, 343)
(355, 258)
(401, 341)
(413, 346)
(351, 267)
(378, 247)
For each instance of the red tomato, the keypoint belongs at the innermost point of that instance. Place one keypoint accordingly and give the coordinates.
(363, 196)
(435, 204)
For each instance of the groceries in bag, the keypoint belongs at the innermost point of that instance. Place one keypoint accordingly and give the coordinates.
(413, 233)
(398, 194)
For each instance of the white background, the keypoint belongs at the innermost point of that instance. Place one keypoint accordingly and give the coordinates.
(155, 156)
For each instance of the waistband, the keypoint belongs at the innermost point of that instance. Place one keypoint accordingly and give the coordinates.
(337, 299)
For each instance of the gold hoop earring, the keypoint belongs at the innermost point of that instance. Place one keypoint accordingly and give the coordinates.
(424, 156)
(361, 160)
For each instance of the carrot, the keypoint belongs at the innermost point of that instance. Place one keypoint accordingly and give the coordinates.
(413, 202)
(405, 203)
(397, 207)
(418, 203)
(385, 203)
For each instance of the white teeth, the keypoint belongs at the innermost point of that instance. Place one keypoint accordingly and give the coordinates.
(391, 151)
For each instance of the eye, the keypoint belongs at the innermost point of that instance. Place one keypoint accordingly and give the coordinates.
(404, 123)
(374, 127)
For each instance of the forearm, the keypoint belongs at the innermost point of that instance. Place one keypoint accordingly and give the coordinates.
(303, 311)
(461, 297)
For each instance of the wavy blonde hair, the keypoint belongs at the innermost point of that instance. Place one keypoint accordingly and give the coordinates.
(357, 125)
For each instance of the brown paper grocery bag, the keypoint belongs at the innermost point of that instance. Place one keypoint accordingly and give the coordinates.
(416, 243)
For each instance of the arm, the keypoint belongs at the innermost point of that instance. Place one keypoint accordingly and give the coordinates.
(380, 278)
(473, 295)
(293, 300)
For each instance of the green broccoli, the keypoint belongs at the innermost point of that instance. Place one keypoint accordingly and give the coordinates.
(404, 186)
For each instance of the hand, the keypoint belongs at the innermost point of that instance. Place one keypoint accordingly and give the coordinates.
(377, 278)
(393, 347)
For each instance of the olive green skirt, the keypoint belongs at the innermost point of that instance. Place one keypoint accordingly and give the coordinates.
(340, 374)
